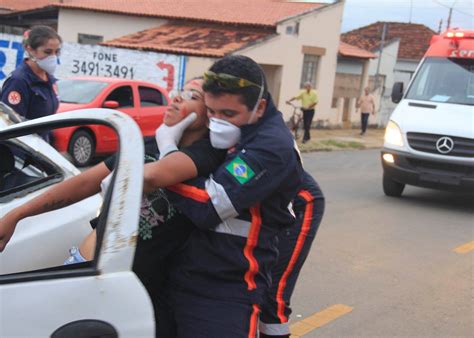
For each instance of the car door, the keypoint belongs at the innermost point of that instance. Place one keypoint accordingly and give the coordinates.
(28, 167)
(125, 97)
(98, 298)
(153, 104)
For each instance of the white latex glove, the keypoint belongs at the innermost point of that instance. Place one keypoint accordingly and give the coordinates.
(167, 138)
(104, 185)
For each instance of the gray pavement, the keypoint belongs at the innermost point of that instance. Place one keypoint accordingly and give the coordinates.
(391, 260)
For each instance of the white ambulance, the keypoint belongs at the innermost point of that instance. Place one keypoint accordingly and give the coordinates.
(429, 140)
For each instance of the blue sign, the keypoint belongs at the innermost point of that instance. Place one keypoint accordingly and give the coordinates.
(10, 49)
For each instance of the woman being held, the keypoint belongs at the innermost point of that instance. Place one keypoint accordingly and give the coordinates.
(158, 219)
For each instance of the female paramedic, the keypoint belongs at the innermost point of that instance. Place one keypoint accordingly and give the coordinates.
(30, 89)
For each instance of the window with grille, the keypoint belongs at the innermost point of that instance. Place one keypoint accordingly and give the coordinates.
(310, 70)
(88, 39)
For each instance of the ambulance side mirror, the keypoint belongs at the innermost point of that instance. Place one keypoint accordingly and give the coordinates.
(397, 92)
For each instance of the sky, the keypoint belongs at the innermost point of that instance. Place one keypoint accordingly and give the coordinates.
(358, 13)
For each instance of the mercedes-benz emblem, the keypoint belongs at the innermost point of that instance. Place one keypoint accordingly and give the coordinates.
(445, 145)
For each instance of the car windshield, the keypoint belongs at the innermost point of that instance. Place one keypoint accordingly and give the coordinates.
(449, 80)
(79, 91)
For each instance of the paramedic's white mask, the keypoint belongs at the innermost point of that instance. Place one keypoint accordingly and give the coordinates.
(48, 64)
(223, 134)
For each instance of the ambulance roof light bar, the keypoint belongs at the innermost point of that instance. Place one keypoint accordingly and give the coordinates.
(456, 35)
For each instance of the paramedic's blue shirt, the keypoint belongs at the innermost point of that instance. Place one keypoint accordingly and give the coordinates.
(28, 95)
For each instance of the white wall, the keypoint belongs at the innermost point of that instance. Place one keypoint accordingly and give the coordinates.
(406, 65)
(110, 26)
(319, 29)
(388, 60)
(196, 66)
(349, 66)
(404, 70)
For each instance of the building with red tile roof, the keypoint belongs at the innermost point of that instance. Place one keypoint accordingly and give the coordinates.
(403, 48)
(351, 51)
(193, 39)
(414, 38)
(18, 15)
(10, 6)
(284, 37)
(239, 12)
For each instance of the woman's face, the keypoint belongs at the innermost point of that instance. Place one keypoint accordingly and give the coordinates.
(191, 99)
(51, 47)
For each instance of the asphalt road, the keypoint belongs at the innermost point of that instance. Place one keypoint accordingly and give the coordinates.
(389, 263)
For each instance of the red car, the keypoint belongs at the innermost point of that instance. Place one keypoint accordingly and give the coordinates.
(145, 102)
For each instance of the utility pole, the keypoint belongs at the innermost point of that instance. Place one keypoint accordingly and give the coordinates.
(449, 17)
(382, 43)
(411, 10)
(448, 24)
(440, 26)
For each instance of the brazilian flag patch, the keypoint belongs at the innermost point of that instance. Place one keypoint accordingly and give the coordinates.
(240, 170)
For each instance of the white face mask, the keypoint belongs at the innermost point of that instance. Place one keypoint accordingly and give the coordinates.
(48, 64)
(223, 134)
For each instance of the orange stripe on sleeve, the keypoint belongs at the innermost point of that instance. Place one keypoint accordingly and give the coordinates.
(199, 195)
(308, 217)
(306, 195)
(250, 245)
(254, 321)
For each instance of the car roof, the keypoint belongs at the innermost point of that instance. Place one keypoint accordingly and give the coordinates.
(106, 79)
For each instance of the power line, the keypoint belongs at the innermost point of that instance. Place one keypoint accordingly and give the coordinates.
(454, 9)
(451, 9)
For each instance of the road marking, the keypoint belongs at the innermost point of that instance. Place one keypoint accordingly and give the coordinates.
(465, 248)
(319, 319)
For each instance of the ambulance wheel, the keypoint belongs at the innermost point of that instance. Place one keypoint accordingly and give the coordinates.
(82, 148)
(391, 187)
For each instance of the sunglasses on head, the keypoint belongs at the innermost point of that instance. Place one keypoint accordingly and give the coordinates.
(227, 81)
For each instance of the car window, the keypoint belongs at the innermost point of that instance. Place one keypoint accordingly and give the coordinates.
(151, 97)
(79, 91)
(23, 171)
(123, 95)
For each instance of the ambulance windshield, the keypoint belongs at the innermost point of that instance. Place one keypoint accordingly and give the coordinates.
(449, 80)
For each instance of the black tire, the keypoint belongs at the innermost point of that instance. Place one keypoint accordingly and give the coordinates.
(391, 187)
(82, 148)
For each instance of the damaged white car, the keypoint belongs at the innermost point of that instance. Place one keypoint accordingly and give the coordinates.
(41, 297)
(28, 167)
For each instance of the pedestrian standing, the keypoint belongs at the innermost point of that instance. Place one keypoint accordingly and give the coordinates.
(31, 88)
(309, 99)
(366, 104)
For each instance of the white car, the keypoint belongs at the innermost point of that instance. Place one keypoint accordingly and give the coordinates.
(98, 298)
(28, 167)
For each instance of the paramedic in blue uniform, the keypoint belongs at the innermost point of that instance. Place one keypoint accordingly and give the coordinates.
(220, 279)
(30, 89)
(294, 245)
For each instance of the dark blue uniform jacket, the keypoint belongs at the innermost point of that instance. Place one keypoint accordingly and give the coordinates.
(238, 212)
(28, 95)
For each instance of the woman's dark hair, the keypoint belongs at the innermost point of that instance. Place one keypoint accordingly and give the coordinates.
(39, 35)
(242, 67)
